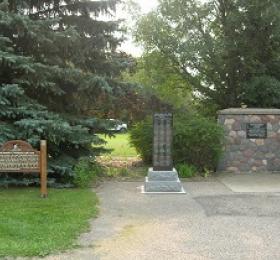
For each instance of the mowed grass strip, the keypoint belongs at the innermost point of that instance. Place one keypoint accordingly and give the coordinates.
(120, 145)
(32, 226)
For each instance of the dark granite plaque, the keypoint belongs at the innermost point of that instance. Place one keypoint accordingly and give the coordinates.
(256, 131)
(162, 143)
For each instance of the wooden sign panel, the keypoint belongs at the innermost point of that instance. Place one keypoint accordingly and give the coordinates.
(19, 156)
(162, 143)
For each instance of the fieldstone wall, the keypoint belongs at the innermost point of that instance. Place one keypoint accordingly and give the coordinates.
(242, 153)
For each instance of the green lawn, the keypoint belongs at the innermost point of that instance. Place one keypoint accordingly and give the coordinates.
(32, 226)
(120, 145)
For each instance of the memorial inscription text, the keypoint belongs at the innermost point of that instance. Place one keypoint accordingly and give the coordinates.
(162, 159)
(256, 130)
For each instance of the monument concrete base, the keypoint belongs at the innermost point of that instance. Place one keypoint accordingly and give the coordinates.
(162, 182)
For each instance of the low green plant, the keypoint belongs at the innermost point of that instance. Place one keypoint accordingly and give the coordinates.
(206, 173)
(86, 172)
(117, 172)
(123, 172)
(111, 172)
(185, 170)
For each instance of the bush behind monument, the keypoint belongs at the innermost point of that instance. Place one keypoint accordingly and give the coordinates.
(197, 141)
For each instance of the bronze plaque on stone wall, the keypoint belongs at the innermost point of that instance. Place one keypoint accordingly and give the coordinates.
(162, 143)
(256, 130)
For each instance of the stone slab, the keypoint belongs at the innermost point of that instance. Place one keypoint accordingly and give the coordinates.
(162, 175)
(162, 186)
(142, 189)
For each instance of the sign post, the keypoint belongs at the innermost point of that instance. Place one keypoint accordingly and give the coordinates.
(20, 156)
(43, 168)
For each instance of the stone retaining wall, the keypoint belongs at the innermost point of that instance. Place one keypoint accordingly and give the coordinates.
(245, 154)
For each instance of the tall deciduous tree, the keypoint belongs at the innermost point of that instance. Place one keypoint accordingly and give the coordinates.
(228, 50)
(158, 77)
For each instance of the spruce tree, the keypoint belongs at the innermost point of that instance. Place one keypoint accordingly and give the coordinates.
(56, 59)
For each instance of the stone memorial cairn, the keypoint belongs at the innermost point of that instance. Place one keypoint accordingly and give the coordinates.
(162, 177)
(252, 140)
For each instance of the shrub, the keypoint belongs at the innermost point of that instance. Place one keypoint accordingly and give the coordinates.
(85, 172)
(141, 137)
(116, 172)
(123, 172)
(196, 141)
(185, 170)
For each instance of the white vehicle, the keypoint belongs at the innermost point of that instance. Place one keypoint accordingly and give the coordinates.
(119, 126)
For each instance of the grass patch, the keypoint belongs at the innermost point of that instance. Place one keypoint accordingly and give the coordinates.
(120, 145)
(31, 226)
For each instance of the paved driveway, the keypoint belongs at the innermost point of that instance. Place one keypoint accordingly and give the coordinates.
(209, 222)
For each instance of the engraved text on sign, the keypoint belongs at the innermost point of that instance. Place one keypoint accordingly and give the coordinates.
(19, 161)
(19, 156)
(162, 158)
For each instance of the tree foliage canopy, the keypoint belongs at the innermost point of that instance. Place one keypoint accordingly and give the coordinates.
(228, 50)
(158, 77)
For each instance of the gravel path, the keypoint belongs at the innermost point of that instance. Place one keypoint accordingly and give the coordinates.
(209, 222)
